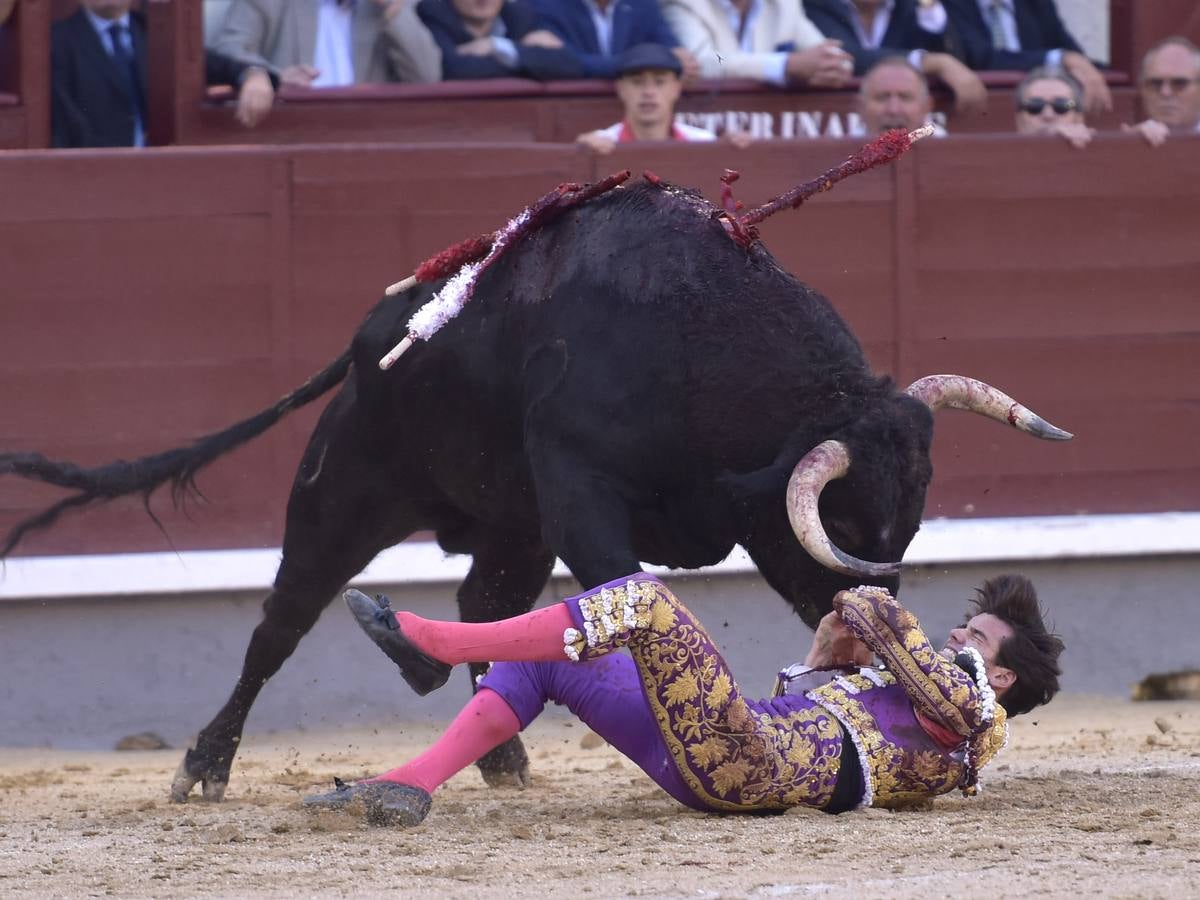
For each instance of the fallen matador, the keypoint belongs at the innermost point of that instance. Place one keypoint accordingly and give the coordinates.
(920, 725)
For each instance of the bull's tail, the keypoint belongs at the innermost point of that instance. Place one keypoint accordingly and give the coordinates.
(178, 466)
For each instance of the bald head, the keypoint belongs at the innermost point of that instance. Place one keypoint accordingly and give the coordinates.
(1169, 84)
(893, 95)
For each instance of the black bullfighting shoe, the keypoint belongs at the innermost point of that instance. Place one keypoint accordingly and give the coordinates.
(383, 802)
(423, 673)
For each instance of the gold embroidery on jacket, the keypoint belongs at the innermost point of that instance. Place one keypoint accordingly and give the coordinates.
(733, 758)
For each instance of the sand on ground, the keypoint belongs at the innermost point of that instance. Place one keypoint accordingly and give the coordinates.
(1093, 796)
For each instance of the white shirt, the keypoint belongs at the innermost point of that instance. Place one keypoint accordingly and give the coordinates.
(1008, 28)
(775, 64)
(502, 47)
(930, 18)
(621, 133)
(603, 21)
(333, 59)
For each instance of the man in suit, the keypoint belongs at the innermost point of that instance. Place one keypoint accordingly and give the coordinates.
(98, 78)
(1169, 86)
(873, 30)
(763, 40)
(597, 32)
(328, 43)
(495, 39)
(1023, 35)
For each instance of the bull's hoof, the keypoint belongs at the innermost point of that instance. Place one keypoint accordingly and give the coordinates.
(506, 766)
(191, 772)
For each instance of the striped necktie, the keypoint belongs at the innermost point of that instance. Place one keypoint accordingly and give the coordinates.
(996, 13)
(128, 67)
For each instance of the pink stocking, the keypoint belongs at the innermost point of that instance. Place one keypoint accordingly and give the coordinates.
(485, 723)
(534, 637)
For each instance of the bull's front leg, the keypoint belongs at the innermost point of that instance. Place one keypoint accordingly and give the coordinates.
(507, 574)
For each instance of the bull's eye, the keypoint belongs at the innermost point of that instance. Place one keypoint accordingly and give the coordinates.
(845, 534)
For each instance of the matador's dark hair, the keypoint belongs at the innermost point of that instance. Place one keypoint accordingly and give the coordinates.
(1031, 651)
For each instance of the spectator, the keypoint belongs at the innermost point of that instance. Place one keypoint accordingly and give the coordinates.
(1049, 101)
(648, 85)
(1023, 35)
(764, 40)
(329, 43)
(1169, 84)
(871, 30)
(599, 31)
(894, 94)
(6, 8)
(98, 78)
(495, 39)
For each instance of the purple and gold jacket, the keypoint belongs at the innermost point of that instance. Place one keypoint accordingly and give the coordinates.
(902, 761)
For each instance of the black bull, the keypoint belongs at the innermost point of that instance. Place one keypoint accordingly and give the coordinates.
(627, 384)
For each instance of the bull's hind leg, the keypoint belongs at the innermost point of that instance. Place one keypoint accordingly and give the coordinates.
(289, 613)
(507, 574)
(343, 510)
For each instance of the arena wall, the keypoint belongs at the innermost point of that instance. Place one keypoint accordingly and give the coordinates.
(86, 672)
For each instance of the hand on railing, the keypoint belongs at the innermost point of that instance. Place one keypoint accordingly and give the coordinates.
(255, 97)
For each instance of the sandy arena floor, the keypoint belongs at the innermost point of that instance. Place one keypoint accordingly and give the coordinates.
(1087, 800)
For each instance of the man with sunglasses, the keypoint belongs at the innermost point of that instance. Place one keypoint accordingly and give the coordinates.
(1024, 34)
(1169, 84)
(1049, 101)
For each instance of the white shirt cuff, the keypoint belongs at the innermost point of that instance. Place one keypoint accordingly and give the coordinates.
(505, 51)
(916, 59)
(775, 68)
(932, 18)
(1054, 59)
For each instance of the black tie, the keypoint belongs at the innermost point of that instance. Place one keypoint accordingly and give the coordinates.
(127, 66)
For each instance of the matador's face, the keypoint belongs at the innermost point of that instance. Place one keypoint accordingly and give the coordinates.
(985, 633)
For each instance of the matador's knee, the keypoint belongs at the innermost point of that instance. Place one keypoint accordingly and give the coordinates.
(613, 614)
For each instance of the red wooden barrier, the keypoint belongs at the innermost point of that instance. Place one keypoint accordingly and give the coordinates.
(25, 77)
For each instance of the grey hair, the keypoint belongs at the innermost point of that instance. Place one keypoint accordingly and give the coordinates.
(898, 62)
(1051, 73)
(1175, 40)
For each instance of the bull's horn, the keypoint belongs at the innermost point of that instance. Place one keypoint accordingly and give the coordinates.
(960, 392)
(821, 465)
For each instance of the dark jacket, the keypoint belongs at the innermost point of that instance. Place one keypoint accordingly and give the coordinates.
(1039, 30)
(91, 103)
(519, 18)
(833, 19)
(634, 22)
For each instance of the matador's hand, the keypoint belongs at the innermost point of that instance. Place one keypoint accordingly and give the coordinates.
(835, 645)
